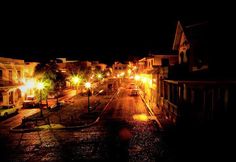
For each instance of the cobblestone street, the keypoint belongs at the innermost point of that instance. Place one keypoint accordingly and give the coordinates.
(125, 132)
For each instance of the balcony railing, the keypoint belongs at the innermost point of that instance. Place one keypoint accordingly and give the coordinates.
(204, 100)
(8, 83)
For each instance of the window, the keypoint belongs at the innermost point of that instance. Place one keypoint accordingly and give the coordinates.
(0, 74)
(1, 97)
(18, 74)
(10, 75)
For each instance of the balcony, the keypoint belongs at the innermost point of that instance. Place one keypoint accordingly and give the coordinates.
(200, 101)
(5, 83)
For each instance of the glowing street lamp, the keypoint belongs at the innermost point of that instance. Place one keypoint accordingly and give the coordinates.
(137, 77)
(40, 86)
(76, 81)
(88, 86)
(99, 76)
(29, 84)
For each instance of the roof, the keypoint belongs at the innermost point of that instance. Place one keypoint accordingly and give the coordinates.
(197, 31)
(194, 32)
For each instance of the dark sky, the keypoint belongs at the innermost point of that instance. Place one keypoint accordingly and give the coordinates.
(95, 32)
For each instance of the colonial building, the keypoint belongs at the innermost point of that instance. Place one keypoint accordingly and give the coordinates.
(191, 42)
(97, 66)
(152, 70)
(13, 73)
(192, 94)
(119, 69)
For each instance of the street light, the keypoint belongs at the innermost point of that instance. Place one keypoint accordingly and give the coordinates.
(40, 87)
(88, 86)
(99, 76)
(76, 81)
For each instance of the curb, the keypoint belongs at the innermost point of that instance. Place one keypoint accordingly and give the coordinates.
(49, 127)
(151, 112)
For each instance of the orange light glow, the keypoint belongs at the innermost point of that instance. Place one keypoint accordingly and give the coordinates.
(135, 68)
(137, 77)
(140, 117)
(129, 71)
(122, 74)
(144, 80)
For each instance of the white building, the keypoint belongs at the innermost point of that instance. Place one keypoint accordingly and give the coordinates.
(12, 74)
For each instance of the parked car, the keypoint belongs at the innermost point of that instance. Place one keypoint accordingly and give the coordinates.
(6, 110)
(57, 106)
(53, 95)
(134, 92)
(30, 101)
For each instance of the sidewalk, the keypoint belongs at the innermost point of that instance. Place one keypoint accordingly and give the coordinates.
(152, 111)
(73, 115)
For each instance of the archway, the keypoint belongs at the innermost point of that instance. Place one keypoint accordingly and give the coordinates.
(17, 94)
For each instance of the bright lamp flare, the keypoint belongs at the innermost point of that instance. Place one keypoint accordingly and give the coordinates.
(137, 77)
(40, 85)
(30, 83)
(23, 88)
(75, 79)
(99, 76)
(88, 85)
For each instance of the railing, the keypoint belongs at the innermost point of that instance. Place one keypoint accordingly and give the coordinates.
(8, 83)
(200, 100)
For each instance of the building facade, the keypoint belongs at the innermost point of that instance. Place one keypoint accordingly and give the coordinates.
(193, 95)
(152, 71)
(13, 73)
(119, 69)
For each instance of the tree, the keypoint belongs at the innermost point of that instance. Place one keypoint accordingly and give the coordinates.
(54, 79)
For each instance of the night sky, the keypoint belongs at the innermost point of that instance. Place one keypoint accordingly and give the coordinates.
(106, 32)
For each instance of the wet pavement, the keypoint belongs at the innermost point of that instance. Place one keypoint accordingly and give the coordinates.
(125, 132)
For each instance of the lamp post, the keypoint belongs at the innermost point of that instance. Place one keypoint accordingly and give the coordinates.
(40, 87)
(88, 86)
